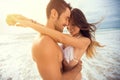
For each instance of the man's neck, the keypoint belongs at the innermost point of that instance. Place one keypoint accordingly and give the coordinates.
(50, 25)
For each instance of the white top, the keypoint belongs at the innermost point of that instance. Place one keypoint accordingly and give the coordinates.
(68, 53)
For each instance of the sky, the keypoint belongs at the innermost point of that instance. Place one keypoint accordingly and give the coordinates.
(35, 9)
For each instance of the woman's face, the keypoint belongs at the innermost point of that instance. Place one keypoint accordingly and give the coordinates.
(74, 30)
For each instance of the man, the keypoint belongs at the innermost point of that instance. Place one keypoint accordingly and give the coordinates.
(46, 52)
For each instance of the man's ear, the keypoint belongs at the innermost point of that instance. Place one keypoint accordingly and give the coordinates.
(54, 13)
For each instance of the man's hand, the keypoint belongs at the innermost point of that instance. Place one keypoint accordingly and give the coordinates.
(72, 73)
(68, 66)
(79, 66)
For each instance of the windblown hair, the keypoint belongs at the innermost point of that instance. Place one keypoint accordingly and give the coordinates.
(59, 5)
(77, 18)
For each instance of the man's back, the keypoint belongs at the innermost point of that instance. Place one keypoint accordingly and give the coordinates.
(48, 56)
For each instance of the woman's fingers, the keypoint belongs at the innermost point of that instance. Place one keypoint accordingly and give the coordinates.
(12, 19)
(16, 20)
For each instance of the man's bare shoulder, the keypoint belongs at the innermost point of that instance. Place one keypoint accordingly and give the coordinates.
(43, 46)
(43, 41)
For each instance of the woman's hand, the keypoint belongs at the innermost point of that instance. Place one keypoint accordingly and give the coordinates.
(18, 20)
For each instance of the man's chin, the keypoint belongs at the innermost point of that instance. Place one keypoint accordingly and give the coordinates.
(61, 30)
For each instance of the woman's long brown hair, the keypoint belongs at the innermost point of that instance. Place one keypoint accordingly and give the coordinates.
(78, 19)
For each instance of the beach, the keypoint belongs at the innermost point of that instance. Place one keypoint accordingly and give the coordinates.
(16, 61)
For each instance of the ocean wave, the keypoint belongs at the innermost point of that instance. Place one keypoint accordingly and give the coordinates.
(16, 62)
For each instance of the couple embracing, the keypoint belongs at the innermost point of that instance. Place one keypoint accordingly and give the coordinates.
(54, 61)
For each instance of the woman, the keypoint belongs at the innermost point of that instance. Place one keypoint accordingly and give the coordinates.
(80, 40)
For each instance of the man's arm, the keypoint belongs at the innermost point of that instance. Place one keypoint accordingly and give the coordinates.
(46, 57)
(71, 74)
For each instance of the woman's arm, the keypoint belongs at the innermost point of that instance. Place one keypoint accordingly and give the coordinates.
(81, 43)
(62, 38)
(58, 36)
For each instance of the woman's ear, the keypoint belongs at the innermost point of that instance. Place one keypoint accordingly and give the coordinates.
(54, 14)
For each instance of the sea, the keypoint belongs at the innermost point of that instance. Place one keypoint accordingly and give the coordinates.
(16, 61)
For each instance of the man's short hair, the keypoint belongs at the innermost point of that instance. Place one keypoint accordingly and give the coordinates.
(59, 5)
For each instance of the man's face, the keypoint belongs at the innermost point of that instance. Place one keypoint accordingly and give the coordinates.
(62, 21)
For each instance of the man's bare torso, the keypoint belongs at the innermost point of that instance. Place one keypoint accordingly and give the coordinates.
(40, 42)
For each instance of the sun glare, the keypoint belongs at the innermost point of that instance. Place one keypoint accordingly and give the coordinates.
(29, 8)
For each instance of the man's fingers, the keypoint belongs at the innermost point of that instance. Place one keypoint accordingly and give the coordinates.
(80, 62)
(79, 65)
